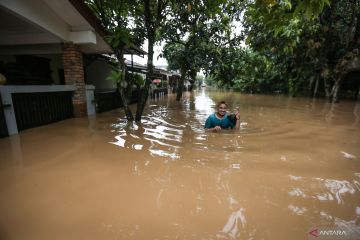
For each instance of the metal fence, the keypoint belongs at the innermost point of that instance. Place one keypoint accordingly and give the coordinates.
(109, 100)
(106, 101)
(36, 109)
(158, 91)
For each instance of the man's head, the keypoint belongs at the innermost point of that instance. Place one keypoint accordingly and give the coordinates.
(221, 108)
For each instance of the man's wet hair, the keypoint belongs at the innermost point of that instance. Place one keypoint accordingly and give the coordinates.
(221, 102)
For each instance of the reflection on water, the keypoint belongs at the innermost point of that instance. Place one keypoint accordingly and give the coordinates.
(234, 225)
(294, 164)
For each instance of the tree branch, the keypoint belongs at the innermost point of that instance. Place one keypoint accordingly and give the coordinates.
(173, 40)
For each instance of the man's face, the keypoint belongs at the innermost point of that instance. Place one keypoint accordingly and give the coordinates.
(222, 109)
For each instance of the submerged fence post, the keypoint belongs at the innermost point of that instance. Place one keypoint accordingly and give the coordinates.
(9, 111)
(90, 100)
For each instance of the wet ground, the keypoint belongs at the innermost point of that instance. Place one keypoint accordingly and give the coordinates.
(293, 166)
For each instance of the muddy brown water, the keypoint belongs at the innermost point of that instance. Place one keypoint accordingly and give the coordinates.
(293, 166)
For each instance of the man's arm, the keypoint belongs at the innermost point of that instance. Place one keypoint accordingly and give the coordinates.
(237, 125)
(214, 129)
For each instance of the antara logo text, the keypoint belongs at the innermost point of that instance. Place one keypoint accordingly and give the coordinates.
(314, 233)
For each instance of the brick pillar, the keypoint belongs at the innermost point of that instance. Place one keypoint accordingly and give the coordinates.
(74, 75)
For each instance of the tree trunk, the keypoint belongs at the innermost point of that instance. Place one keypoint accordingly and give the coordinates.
(174, 87)
(120, 56)
(150, 32)
(327, 89)
(316, 86)
(336, 87)
(129, 87)
(311, 83)
(354, 24)
(335, 92)
(144, 94)
(152, 16)
(128, 112)
(193, 78)
(180, 85)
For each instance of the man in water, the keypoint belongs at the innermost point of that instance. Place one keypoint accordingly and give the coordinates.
(221, 120)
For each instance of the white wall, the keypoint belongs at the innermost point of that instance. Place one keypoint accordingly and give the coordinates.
(96, 74)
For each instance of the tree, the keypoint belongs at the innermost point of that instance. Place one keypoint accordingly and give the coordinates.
(301, 43)
(341, 42)
(152, 13)
(118, 17)
(126, 21)
(193, 28)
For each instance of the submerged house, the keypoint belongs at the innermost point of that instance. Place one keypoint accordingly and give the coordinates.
(45, 50)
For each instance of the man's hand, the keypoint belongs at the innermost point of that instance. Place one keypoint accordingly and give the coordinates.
(217, 128)
(237, 114)
(237, 125)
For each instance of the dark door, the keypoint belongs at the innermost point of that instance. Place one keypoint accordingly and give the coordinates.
(61, 76)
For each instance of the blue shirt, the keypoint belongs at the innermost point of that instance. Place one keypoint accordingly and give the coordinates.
(212, 121)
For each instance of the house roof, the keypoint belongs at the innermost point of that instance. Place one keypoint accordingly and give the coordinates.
(41, 26)
(86, 12)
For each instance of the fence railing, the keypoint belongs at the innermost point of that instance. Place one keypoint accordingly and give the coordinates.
(109, 100)
(31, 106)
(106, 101)
(158, 91)
(36, 109)
(24, 107)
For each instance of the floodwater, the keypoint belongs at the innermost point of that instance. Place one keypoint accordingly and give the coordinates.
(292, 167)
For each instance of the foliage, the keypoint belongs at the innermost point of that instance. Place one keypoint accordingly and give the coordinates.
(291, 46)
(138, 80)
(134, 79)
(209, 80)
(120, 18)
(117, 77)
(123, 22)
(174, 54)
(195, 28)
